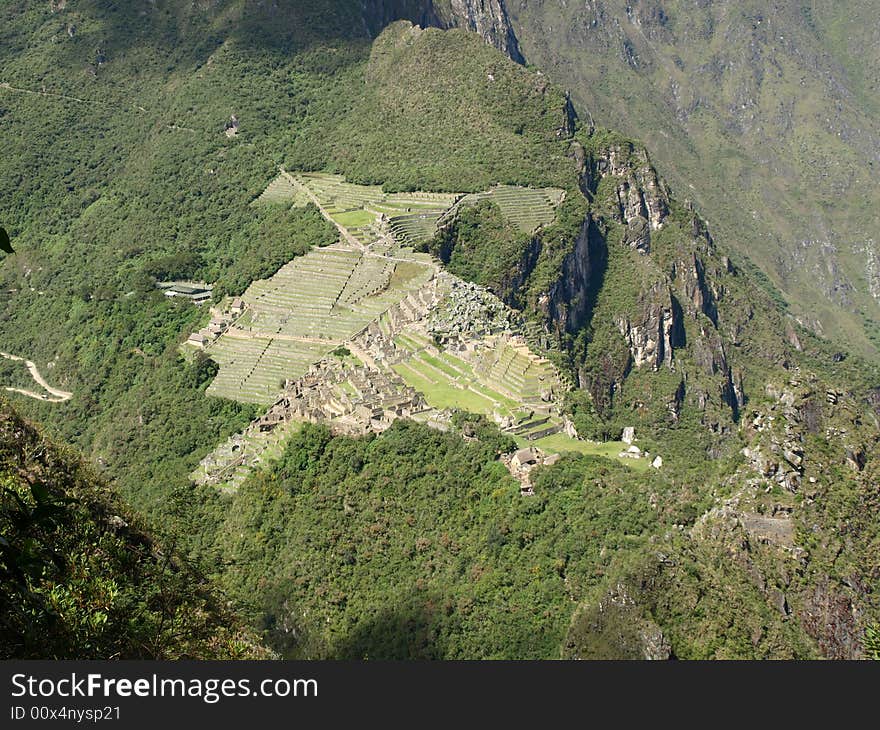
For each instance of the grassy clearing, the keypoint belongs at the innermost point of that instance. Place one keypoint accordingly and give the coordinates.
(442, 366)
(559, 443)
(457, 363)
(406, 271)
(354, 218)
(443, 394)
(406, 343)
(448, 383)
(506, 405)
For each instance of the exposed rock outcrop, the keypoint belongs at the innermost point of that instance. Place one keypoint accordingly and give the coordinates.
(655, 330)
(691, 274)
(487, 18)
(641, 194)
(566, 305)
(676, 306)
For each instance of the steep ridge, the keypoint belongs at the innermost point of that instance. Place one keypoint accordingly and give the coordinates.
(416, 534)
(81, 578)
(487, 18)
(763, 115)
(768, 433)
(667, 333)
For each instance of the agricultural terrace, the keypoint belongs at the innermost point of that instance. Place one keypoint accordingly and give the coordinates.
(527, 208)
(516, 370)
(447, 381)
(311, 306)
(503, 379)
(410, 217)
(240, 454)
(282, 192)
(321, 300)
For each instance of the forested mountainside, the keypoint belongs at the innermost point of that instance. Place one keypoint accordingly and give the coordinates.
(143, 132)
(764, 114)
(80, 578)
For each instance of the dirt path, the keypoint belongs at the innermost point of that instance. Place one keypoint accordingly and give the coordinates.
(59, 396)
(311, 196)
(6, 86)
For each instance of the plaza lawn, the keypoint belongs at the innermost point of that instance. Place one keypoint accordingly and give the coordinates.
(444, 394)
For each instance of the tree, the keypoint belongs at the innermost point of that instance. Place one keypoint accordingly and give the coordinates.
(872, 642)
(5, 243)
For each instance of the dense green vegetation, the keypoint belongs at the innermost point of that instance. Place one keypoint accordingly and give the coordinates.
(415, 543)
(471, 95)
(14, 374)
(143, 183)
(480, 245)
(872, 642)
(79, 576)
(766, 116)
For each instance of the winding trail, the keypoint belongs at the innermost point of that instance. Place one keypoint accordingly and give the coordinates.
(58, 396)
(6, 86)
(313, 198)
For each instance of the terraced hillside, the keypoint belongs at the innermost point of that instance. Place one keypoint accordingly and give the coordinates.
(448, 381)
(517, 370)
(500, 377)
(253, 368)
(321, 300)
(312, 305)
(282, 191)
(350, 333)
(358, 295)
(527, 208)
(410, 217)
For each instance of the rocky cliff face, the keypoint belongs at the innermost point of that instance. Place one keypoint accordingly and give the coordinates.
(666, 311)
(642, 197)
(567, 304)
(615, 627)
(626, 189)
(487, 18)
(655, 329)
(808, 448)
(378, 14)
(716, 90)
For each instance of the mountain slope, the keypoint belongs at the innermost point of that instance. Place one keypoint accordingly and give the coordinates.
(762, 115)
(104, 193)
(81, 579)
(729, 549)
(767, 437)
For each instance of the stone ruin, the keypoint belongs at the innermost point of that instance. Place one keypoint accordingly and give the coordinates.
(521, 463)
(359, 399)
(470, 311)
(371, 399)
